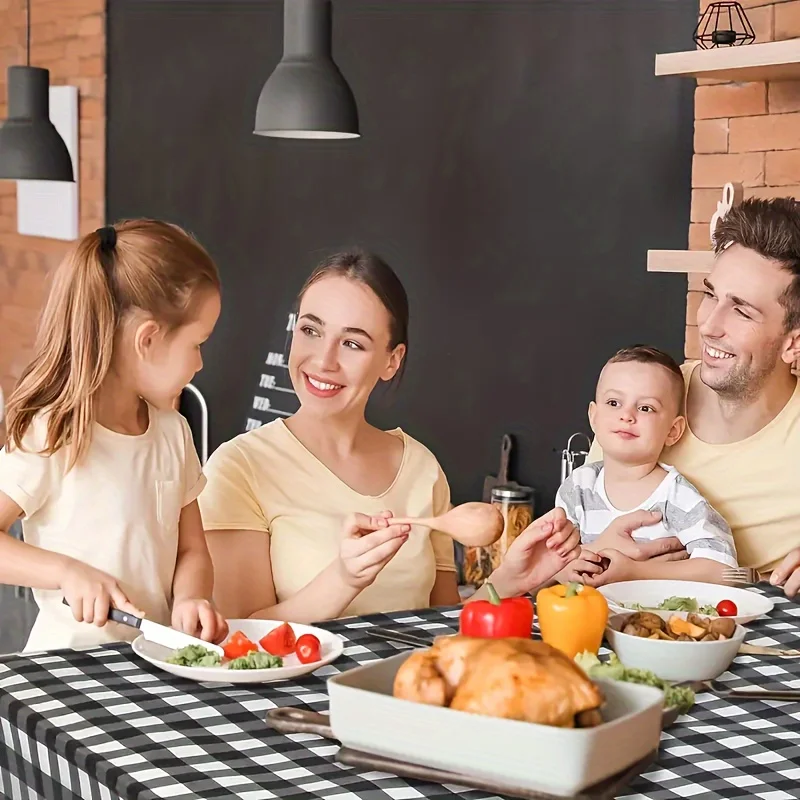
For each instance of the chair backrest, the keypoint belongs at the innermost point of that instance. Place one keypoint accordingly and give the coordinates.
(194, 408)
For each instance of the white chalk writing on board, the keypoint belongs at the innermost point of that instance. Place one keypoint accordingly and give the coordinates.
(274, 396)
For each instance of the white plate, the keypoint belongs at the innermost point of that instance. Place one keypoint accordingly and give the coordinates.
(331, 647)
(750, 605)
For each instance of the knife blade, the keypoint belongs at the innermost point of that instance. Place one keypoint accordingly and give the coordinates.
(763, 694)
(399, 637)
(159, 634)
(756, 650)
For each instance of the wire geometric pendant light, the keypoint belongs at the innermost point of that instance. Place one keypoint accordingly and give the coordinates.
(728, 24)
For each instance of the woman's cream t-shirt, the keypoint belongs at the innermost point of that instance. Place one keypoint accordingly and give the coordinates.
(266, 480)
(117, 510)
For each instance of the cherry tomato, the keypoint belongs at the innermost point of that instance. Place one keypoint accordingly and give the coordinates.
(279, 641)
(308, 649)
(727, 608)
(238, 645)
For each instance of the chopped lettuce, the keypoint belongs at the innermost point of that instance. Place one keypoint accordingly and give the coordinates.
(194, 655)
(675, 604)
(680, 697)
(256, 660)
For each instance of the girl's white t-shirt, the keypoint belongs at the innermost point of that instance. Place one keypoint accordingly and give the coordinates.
(117, 510)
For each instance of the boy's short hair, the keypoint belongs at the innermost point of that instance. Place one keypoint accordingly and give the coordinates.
(644, 354)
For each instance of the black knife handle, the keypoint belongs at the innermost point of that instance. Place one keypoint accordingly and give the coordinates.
(123, 617)
(115, 615)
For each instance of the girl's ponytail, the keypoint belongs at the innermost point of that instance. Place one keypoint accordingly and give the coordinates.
(72, 353)
(143, 264)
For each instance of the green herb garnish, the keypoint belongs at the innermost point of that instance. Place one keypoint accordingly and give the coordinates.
(680, 697)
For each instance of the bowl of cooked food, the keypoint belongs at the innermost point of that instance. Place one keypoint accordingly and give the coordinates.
(513, 710)
(666, 598)
(694, 648)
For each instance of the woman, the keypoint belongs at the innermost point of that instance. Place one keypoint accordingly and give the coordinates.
(276, 497)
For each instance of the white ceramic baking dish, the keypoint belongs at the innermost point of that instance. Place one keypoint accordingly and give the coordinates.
(365, 716)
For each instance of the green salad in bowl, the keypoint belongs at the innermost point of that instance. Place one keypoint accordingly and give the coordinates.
(676, 604)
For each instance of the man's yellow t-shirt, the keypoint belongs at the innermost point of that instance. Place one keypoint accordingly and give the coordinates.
(754, 484)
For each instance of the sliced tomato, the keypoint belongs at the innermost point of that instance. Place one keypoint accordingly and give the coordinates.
(727, 608)
(238, 645)
(308, 649)
(279, 641)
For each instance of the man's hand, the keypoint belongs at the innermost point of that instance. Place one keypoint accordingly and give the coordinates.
(619, 536)
(788, 574)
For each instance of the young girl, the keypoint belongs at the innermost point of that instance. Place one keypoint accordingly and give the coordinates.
(99, 466)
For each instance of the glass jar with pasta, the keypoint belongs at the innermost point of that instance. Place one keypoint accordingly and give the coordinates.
(516, 506)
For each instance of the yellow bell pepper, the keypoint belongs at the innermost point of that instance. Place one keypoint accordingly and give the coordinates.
(572, 618)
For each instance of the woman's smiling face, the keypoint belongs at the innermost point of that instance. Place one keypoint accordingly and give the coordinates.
(341, 346)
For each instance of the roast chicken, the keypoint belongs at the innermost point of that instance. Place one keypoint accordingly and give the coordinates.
(517, 679)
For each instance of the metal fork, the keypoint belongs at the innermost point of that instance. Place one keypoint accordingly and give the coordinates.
(742, 575)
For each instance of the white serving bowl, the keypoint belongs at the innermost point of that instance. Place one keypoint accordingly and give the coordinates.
(673, 661)
(750, 604)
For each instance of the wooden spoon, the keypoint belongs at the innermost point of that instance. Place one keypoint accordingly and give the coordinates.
(472, 524)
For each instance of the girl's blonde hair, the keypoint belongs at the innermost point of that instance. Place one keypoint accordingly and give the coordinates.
(145, 265)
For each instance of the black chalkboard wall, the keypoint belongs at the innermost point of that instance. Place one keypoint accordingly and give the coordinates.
(517, 160)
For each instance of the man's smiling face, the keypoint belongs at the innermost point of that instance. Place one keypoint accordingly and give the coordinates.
(742, 322)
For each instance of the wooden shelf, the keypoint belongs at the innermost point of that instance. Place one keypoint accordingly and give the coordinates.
(771, 61)
(686, 261)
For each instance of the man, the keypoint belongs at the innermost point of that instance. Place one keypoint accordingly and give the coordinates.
(741, 447)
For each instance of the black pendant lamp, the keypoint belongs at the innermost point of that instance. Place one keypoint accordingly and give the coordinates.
(30, 146)
(307, 97)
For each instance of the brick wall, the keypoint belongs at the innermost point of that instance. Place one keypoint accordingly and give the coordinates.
(68, 38)
(746, 132)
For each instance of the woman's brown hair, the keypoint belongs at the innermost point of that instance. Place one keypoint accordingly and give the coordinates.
(144, 265)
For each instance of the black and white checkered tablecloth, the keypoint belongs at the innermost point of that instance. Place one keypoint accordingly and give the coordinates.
(100, 723)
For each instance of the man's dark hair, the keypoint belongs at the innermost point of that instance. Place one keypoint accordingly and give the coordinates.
(644, 354)
(771, 228)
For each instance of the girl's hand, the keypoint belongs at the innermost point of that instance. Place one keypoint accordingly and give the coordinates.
(199, 618)
(540, 552)
(91, 593)
(369, 544)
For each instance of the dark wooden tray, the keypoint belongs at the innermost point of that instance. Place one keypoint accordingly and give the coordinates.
(299, 720)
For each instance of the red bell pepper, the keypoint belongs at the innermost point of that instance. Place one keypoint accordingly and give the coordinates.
(496, 619)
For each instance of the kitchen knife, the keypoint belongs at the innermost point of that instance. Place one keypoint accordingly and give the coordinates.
(399, 637)
(501, 479)
(160, 634)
